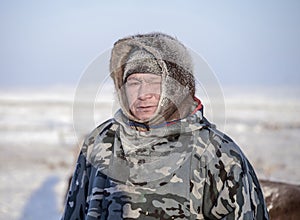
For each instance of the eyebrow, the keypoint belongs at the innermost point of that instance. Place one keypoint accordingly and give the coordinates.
(141, 78)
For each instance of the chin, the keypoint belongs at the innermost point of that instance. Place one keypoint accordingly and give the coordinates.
(144, 117)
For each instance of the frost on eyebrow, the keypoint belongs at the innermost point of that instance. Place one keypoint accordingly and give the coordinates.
(154, 78)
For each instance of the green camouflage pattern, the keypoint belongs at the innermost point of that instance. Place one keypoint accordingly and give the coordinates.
(182, 170)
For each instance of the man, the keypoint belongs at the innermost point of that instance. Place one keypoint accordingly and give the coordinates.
(159, 158)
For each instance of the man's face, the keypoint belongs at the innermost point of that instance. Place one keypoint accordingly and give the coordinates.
(143, 94)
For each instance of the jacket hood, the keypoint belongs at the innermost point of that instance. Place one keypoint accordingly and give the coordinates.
(156, 51)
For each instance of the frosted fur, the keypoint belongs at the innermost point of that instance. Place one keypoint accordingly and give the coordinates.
(141, 61)
(176, 67)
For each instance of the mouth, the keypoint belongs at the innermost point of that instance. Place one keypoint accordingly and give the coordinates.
(146, 108)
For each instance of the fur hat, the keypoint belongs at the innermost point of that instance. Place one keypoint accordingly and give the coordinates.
(141, 61)
(159, 54)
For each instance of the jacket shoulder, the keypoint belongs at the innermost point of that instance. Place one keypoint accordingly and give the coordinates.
(99, 133)
(219, 147)
(231, 181)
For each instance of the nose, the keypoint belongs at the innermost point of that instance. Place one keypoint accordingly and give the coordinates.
(145, 96)
(145, 92)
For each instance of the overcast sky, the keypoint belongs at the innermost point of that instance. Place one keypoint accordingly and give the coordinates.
(245, 42)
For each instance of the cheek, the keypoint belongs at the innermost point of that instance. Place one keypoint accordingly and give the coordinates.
(131, 97)
(156, 98)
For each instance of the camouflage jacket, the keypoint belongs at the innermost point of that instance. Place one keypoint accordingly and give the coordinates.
(186, 169)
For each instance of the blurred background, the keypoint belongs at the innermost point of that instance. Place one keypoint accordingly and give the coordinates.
(47, 47)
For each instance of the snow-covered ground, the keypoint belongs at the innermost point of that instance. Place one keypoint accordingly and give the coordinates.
(38, 144)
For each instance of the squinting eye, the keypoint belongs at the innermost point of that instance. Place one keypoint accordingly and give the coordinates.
(133, 83)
